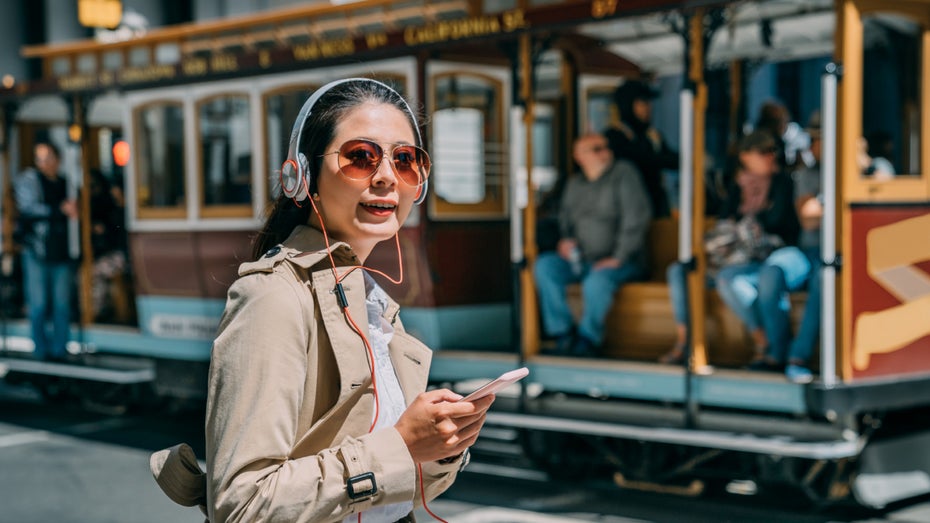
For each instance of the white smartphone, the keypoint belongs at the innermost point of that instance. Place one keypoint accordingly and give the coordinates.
(493, 386)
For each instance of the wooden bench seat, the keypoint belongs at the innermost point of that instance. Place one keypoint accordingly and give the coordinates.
(641, 325)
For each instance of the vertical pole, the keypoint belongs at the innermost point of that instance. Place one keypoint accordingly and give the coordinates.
(8, 205)
(79, 132)
(696, 287)
(529, 308)
(686, 175)
(8, 208)
(828, 239)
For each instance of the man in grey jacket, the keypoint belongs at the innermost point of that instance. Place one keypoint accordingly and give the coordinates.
(604, 217)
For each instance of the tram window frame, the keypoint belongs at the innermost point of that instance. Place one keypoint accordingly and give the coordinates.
(909, 186)
(221, 210)
(495, 132)
(147, 211)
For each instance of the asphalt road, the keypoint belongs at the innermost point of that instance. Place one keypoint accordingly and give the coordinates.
(68, 462)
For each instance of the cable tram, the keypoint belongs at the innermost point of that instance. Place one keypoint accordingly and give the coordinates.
(506, 87)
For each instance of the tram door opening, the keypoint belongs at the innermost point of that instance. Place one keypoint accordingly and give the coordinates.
(111, 293)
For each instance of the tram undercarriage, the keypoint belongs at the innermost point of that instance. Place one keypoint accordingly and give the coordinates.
(869, 460)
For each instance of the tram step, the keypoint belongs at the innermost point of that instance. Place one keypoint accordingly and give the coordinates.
(90, 371)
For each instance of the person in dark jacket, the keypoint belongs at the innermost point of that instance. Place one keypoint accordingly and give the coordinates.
(635, 139)
(48, 266)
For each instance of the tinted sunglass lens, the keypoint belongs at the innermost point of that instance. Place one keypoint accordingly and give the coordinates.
(359, 158)
(411, 163)
(405, 164)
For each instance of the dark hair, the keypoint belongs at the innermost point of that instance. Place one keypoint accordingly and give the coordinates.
(759, 140)
(628, 92)
(319, 129)
(51, 146)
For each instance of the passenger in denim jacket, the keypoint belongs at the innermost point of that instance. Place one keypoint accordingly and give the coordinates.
(48, 266)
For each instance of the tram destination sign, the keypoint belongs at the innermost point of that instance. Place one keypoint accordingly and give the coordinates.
(326, 51)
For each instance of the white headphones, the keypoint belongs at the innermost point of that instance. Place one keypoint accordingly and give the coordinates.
(296, 173)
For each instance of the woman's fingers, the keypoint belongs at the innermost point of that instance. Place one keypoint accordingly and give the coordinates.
(437, 425)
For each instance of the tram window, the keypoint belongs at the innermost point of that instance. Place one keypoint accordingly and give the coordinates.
(469, 156)
(86, 63)
(112, 60)
(61, 66)
(496, 6)
(139, 56)
(891, 96)
(281, 109)
(459, 148)
(600, 112)
(160, 160)
(169, 53)
(225, 141)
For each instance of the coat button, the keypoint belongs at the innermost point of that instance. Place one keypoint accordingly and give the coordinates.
(272, 251)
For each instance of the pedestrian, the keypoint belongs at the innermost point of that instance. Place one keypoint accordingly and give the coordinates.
(316, 409)
(45, 209)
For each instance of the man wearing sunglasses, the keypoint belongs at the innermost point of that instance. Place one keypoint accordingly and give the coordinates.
(604, 217)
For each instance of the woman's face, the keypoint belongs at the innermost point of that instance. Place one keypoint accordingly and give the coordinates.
(365, 212)
(759, 162)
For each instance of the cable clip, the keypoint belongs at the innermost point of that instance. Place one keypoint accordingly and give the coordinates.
(341, 296)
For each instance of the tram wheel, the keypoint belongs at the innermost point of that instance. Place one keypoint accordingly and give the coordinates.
(561, 455)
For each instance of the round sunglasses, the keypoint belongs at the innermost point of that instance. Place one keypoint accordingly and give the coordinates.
(359, 159)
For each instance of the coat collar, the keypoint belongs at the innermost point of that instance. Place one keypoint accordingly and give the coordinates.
(306, 248)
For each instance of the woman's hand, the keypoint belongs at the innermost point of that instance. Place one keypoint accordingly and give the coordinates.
(437, 425)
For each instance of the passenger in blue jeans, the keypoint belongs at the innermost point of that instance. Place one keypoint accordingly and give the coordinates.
(776, 281)
(604, 216)
(759, 201)
(48, 268)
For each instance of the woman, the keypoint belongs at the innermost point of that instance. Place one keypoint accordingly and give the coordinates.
(310, 418)
(763, 195)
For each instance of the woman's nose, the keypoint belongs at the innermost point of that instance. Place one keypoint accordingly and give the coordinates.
(385, 174)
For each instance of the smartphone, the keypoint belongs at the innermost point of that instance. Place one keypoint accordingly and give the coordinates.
(491, 387)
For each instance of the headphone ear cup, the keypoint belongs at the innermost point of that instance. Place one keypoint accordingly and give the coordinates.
(290, 178)
(306, 177)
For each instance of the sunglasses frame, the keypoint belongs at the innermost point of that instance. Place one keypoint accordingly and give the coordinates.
(424, 172)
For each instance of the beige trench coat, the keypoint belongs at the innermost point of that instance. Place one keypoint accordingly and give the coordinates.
(290, 399)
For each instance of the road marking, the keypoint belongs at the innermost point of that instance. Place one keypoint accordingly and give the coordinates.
(24, 438)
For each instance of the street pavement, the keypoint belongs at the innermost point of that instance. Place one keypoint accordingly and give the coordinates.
(75, 463)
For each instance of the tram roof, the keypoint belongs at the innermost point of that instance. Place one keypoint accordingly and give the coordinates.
(622, 37)
(798, 29)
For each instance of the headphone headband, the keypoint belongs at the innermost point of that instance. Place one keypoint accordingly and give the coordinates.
(295, 172)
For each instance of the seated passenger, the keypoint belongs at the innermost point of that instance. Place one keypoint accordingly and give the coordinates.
(756, 218)
(604, 216)
(874, 153)
(774, 280)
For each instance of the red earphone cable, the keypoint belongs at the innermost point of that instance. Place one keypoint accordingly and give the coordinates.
(368, 349)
